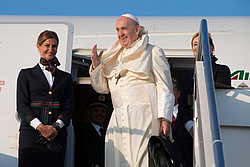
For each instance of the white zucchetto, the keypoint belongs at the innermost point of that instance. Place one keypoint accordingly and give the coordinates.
(132, 17)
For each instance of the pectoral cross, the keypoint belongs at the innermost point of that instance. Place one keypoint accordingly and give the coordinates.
(117, 78)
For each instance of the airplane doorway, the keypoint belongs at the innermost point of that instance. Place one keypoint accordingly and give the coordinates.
(83, 89)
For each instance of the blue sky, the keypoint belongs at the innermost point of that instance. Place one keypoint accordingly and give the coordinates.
(136, 7)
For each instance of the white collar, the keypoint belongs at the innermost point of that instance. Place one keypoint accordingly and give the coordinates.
(42, 66)
(97, 127)
(175, 110)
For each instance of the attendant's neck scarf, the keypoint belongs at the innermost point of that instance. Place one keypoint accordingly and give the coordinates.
(51, 64)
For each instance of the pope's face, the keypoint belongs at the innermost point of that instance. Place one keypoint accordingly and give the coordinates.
(48, 49)
(127, 31)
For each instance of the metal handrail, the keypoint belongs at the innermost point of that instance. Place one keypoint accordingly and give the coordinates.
(203, 47)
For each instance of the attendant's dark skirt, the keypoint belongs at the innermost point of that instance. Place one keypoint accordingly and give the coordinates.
(33, 155)
(29, 157)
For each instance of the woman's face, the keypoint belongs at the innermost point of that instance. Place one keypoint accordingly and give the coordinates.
(195, 45)
(48, 49)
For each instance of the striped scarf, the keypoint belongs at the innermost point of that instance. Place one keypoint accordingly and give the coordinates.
(51, 64)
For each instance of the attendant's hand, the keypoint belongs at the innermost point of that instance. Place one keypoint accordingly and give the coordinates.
(47, 131)
(52, 146)
(191, 131)
(165, 127)
(95, 58)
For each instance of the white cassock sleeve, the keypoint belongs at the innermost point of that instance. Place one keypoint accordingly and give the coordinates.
(163, 80)
(98, 81)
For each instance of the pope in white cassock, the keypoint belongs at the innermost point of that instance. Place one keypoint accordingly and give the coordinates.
(138, 77)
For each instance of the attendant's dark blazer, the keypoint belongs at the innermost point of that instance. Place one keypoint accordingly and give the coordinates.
(89, 146)
(35, 99)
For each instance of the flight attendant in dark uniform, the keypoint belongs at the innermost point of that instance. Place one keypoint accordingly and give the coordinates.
(184, 132)
(45, 102)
